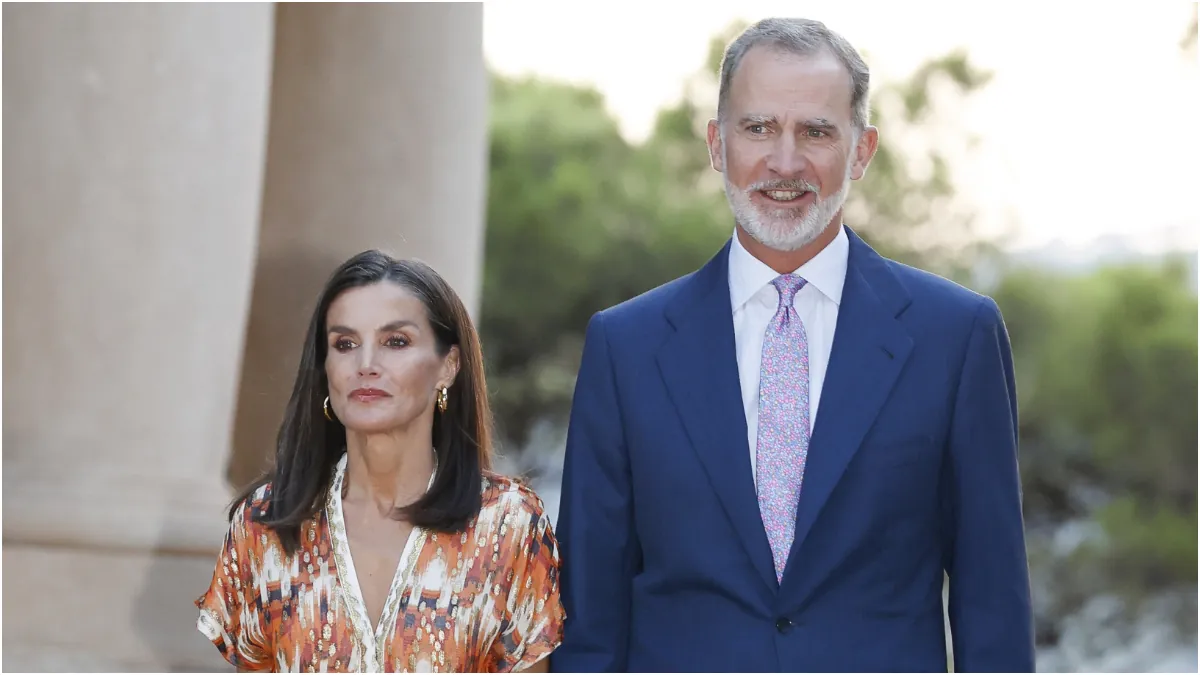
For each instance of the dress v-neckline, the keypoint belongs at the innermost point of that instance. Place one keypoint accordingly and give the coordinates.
(371, 640)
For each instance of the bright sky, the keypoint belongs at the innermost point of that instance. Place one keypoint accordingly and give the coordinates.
(1084, 128)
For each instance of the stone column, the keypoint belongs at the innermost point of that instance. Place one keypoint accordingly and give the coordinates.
(133, 154)
(378, 139)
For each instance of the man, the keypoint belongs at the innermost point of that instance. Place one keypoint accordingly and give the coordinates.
(711, 519)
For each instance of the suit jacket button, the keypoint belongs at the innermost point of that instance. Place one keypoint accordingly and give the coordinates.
(784, 625)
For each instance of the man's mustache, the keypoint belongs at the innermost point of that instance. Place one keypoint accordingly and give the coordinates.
(794, 185)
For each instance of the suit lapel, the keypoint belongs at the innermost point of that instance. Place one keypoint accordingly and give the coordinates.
(699, 366)
(870, 348)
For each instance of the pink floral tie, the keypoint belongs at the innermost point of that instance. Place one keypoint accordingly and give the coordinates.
(783, 427)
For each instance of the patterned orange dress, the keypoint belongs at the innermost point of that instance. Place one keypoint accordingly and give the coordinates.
(484, 600)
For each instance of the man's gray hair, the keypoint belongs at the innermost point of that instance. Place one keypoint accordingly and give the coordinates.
(803, 37)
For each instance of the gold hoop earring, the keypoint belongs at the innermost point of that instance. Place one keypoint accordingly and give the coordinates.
(443, 399)
(328, 413)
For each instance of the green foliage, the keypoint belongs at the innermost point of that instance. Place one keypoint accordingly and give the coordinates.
(578, 220)
(1106, 379)
(1152, 547)
(556, 188)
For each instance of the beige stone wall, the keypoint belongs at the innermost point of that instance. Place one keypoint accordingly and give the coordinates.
(178, 181)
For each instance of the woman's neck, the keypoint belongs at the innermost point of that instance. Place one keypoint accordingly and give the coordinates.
(387, 471)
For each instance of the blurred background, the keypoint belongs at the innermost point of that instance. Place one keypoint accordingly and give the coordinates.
(180, 179)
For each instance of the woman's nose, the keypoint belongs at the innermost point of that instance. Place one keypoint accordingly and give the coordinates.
(367, 367)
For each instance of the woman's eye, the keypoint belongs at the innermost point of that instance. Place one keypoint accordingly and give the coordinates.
(343, 345)
(397, 341)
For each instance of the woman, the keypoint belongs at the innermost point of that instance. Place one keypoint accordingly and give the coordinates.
(380, 541)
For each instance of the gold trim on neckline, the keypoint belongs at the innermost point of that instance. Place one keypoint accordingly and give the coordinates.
(368, 639)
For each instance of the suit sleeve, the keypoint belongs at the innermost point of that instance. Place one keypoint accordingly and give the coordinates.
(990, 613)
(600, 550)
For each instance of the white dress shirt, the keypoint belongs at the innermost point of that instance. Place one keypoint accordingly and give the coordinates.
(755, 301)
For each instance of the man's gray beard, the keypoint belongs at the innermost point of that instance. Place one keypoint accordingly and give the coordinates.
(785, 229)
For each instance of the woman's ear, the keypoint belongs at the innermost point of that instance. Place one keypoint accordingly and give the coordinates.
(450, 366)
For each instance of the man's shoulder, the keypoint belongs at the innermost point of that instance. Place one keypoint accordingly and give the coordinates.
(938, 293)
(645, 306)
(942, 309)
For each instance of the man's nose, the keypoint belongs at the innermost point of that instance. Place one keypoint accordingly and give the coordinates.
(787, 157)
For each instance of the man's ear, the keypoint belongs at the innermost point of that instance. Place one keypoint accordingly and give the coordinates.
(716, 149)
(868, 143)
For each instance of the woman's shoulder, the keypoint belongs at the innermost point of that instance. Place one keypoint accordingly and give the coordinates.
(514, 519)
(246, 515)
(254, 503)
(511, 496)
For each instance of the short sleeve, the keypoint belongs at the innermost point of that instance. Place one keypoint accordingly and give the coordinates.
(532, 622)
(229, 609)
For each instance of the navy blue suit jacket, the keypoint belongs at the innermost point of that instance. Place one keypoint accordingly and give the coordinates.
(911, 473)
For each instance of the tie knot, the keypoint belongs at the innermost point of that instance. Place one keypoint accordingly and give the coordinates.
(788, 285)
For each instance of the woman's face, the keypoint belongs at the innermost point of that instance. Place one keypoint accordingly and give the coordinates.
(382, 363)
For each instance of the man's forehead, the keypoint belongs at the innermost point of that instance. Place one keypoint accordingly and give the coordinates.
(822, 57)
(773, 77)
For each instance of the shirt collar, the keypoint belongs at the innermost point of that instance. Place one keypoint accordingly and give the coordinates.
(826, 271)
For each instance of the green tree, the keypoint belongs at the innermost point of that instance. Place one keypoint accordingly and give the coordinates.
(1106, 378)
(558, 168)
